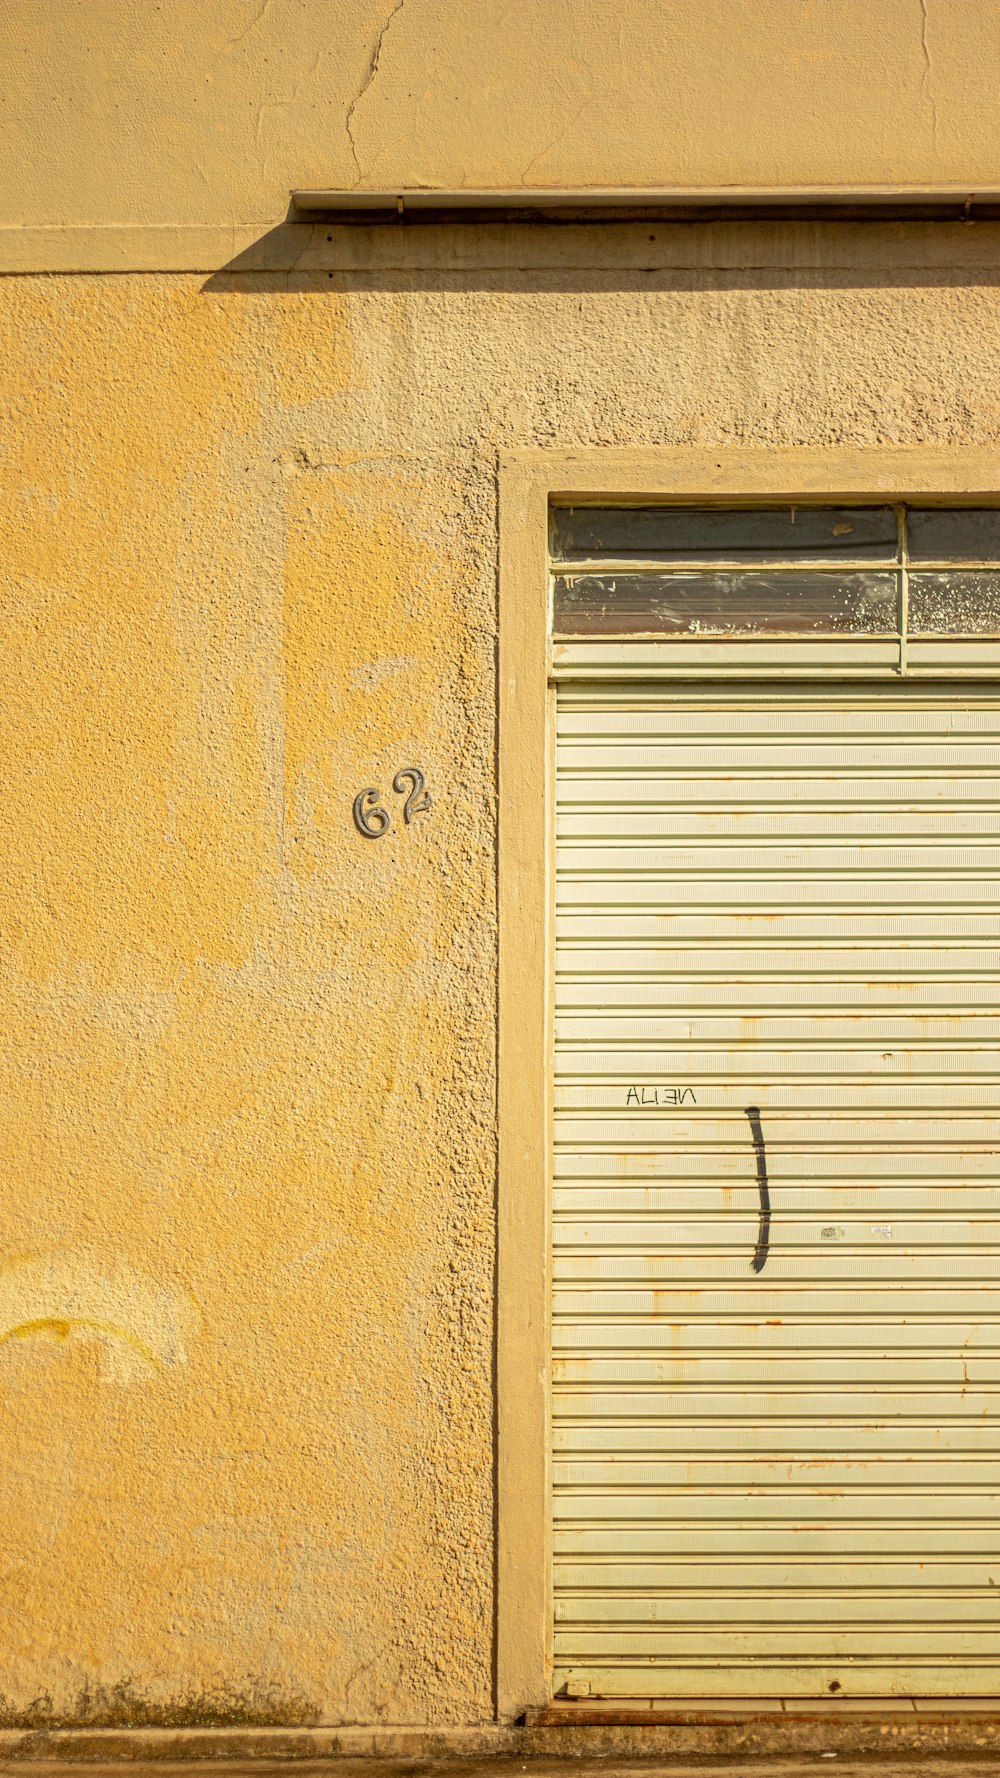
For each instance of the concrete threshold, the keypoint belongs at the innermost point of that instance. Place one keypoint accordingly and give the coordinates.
(766, 1729)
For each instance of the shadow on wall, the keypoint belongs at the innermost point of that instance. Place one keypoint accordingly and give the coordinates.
(529, 256)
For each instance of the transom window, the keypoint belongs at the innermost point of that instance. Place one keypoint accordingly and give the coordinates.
(866, 571)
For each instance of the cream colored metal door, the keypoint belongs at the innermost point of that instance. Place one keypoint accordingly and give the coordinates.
(777, 1195)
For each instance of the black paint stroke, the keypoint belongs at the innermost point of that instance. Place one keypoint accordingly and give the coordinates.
(759, 1260)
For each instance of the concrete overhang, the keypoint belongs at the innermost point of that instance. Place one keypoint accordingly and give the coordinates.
(623, 203)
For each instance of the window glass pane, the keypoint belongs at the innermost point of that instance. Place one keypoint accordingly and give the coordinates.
(787, 533)
(725, 604)
(953, 534)
(956, 603)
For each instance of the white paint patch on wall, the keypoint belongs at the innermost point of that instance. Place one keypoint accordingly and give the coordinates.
(141, 1326)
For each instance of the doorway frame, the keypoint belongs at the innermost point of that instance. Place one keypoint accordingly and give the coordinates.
(529, 480)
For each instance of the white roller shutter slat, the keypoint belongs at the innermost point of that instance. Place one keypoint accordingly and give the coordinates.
(779, 1481)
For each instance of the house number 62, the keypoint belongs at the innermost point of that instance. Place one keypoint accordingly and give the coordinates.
(373, 820)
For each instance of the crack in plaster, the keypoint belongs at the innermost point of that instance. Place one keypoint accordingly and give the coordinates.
(373, 62)
(926, 73)
(288, 104)
(559, 136)
(254, 22)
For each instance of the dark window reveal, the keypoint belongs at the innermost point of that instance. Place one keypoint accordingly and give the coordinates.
(720, 534)
(953, 534)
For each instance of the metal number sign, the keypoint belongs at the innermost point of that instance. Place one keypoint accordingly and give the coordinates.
(372, 819)
(369, 816)
(418, 799)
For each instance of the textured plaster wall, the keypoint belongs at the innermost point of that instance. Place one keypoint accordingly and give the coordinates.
(247, 1161)
(248, 566)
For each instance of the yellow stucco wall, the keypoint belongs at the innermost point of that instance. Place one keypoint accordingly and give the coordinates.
(245, 1285)
(248, 567)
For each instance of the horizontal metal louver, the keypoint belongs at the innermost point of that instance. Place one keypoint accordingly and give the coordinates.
(776, 1242)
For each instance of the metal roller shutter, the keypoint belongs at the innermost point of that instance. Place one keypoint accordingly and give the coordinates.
(775, 1444)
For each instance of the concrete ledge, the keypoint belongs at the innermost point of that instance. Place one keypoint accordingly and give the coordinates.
(178, 1746)
(687, 1738)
